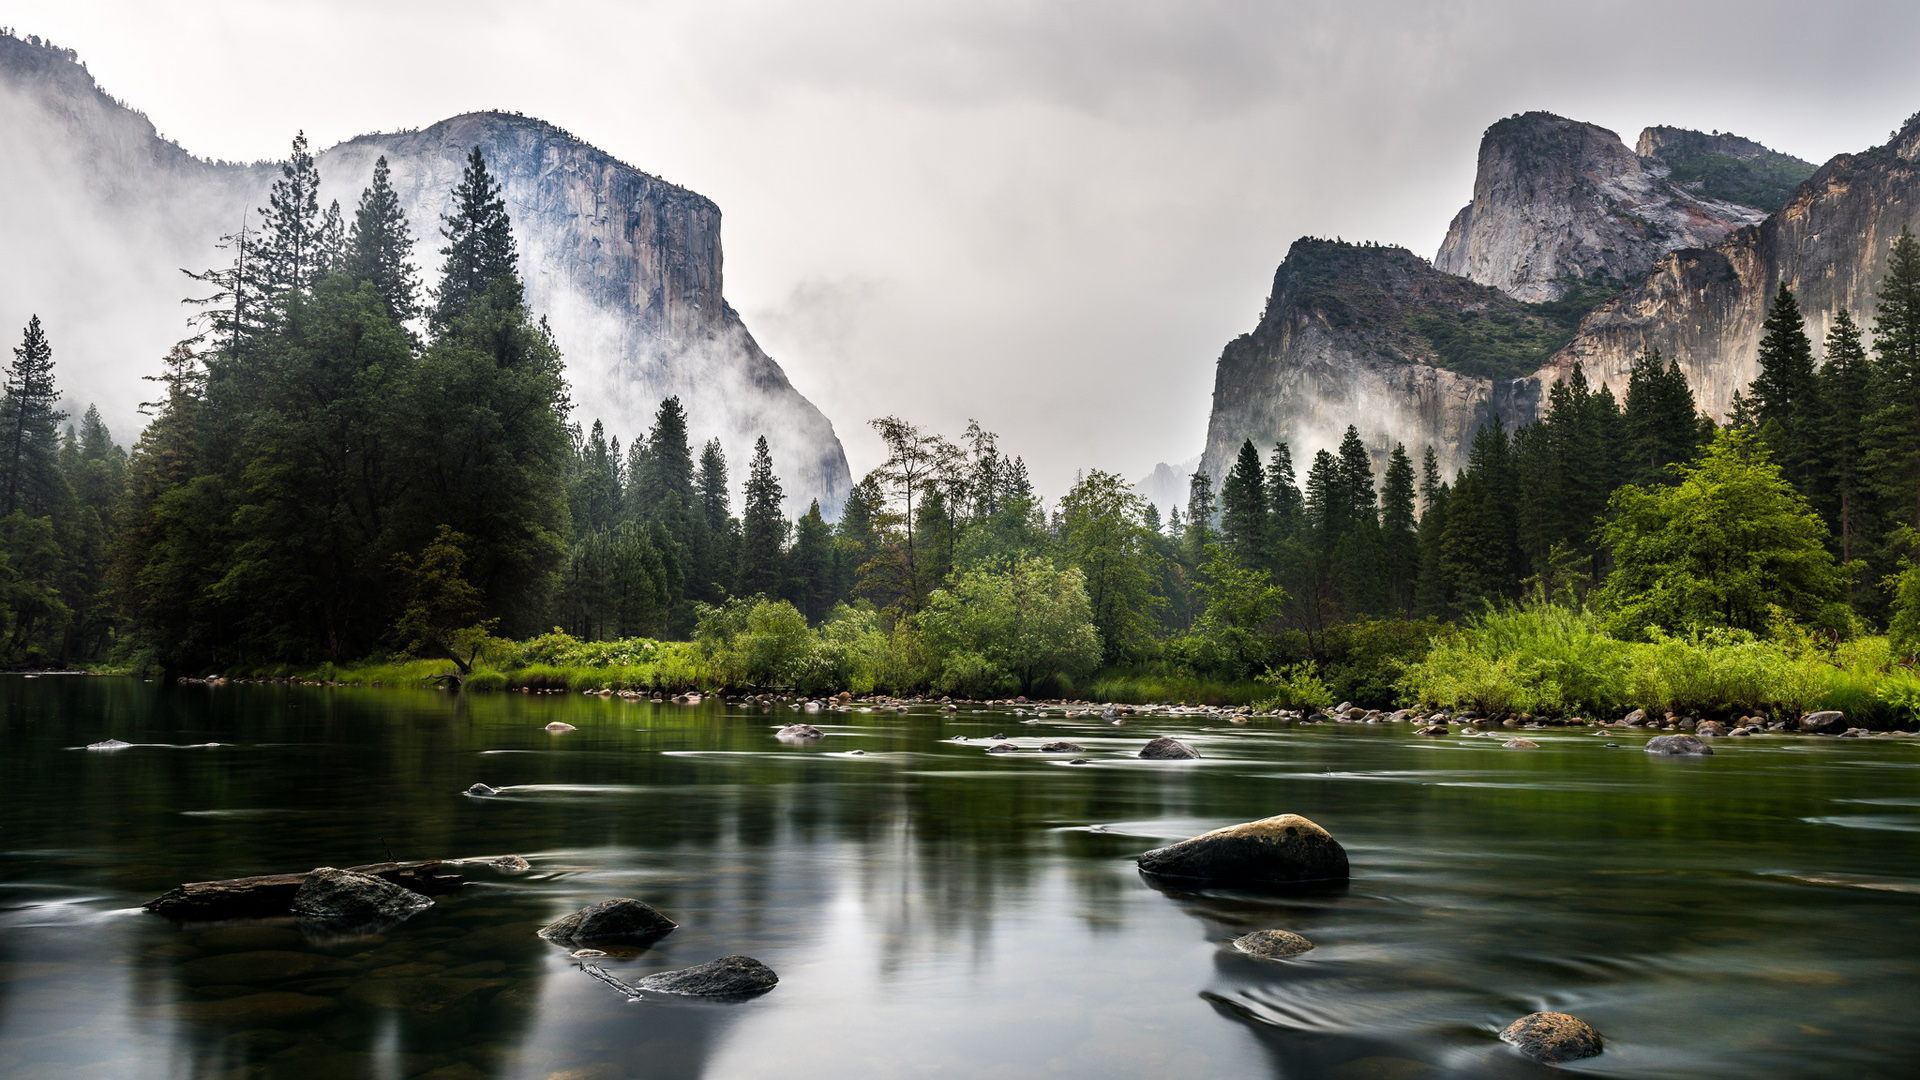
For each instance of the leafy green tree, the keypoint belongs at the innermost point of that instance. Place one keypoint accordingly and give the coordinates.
(1725, 546)
(763, 530)
(1011, 627)
(379, 248)
(1103, 533)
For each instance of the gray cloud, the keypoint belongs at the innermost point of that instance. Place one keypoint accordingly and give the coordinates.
(1053, 215)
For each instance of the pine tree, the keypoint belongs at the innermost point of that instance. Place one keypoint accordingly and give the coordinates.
(763, 531)
(1399, 531)
(1243, 507)
(1893, 455)
(30, 426)
(1845, 401)
(379, 248)
(480, 255)
(1784, 395)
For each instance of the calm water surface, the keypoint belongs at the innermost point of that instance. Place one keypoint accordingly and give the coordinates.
(934, 911)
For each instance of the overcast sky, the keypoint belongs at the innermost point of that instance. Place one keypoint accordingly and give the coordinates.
(1047, 216)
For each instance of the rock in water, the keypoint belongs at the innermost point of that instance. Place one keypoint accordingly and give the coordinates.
(1283, 850)
(1272, 944)
(1552, 1037)
(799, 733)
(346, 897)
(1820, 723)
(729, 976)
(478, 790)
(1165, 749)
(610, 920)
(1062, 748)
(1676, 745)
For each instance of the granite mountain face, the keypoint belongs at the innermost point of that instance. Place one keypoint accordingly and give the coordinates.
(626, 266)
(1583, 252)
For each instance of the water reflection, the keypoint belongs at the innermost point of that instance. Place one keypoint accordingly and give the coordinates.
(932, 909)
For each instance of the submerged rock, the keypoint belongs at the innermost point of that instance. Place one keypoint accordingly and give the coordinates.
(729, 976)
(1552, 1037)
(1165, 749)
(479, 790)
(799, 733)
(1676, 745)
(1062, 748)
(1272, 944)
(1820, 723)
(1282, 850)
(342, 896)
(621, 919)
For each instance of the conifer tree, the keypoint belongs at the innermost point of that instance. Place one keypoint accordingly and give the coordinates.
(30, 426)
(763, 531)
(480, 252)
(1243, 507)
(1783, 396)
(1894, 436)
(379, 248)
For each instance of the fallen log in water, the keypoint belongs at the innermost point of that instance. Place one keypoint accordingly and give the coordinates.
(272, 894)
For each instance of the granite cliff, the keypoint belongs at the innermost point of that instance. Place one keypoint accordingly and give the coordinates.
(1557, 200)
(627, 267)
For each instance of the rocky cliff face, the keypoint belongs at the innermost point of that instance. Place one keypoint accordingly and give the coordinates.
(1556, 200)
(1349, 336)
(626, 266)
(1829, 244)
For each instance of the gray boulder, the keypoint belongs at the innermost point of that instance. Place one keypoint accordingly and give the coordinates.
(1552, 1037)
(1272, 944)
(1824, 723)
(1165, 749)
(342, 896)
(729, 976)
(1676, 745)
(1283, 850)
(799, 733)
(610, 920)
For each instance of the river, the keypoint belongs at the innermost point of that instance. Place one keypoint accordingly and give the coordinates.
(933, 910)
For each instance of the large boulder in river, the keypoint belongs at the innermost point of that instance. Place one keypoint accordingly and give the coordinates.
(1552, 1037)
(621, 919)
(1283, 850)
(1676, 745)
(1824, 723)
(729, 976)
(342, 896)
(1165, 749)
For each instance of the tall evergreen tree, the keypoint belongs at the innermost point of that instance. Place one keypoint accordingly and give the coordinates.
(763, 530)
(379, 249)
(30, 426)
(480, 254)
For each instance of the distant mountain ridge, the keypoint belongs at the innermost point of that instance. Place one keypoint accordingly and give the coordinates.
(626, 267)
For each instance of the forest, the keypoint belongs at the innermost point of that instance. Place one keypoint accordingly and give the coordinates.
(349, 475)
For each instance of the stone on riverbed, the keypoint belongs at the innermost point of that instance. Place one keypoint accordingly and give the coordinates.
(1820, 723)
(1676, 745)
(799, 733)
(342, 896)
(729, 976)
(610, 920)
(1165, 749)
(1552, 1037)
(1272, 944)
(1283, 850)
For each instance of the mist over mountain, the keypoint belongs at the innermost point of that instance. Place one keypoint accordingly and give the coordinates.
(104, 213)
